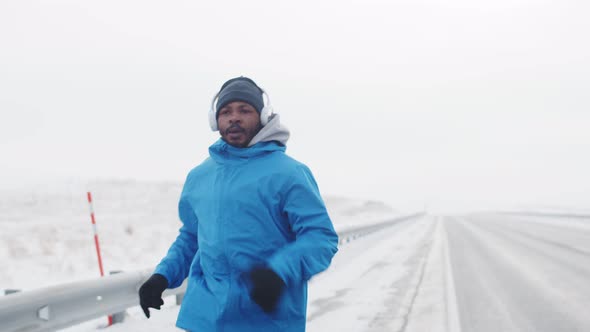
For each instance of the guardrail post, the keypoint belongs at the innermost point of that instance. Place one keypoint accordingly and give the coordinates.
(179, 298)
(118, 317)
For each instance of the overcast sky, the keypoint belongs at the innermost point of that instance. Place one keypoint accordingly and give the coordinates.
(456, 104)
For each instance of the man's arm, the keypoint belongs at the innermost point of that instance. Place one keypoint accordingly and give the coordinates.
(176, 264)
(174, 268)
(316, 241)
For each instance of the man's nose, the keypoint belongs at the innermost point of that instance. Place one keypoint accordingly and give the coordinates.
(234, 117)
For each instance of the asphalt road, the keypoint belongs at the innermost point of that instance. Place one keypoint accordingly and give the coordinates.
(517, 274)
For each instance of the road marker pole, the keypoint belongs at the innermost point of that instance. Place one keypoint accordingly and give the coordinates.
(96, 244)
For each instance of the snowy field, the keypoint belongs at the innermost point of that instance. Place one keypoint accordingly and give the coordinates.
(475, 272)
(47, 238)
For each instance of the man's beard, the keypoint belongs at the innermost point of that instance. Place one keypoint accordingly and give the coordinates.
(249, 134)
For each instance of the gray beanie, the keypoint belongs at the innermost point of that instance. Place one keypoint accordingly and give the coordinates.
(240, 89)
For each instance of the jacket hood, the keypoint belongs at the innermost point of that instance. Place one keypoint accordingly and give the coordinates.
(273, 131)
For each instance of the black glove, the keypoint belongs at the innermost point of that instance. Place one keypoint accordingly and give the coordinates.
(267, 288)
(150, 293)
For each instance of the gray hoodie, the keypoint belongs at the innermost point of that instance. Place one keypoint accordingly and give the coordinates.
(273, 131)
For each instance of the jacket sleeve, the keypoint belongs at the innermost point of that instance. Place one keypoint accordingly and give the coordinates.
(176, 264)
(316, 242)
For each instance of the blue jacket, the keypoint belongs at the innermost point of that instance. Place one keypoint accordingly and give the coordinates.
(240, 208)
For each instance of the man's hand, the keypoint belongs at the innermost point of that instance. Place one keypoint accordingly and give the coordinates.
(267, 288)
(150, 293)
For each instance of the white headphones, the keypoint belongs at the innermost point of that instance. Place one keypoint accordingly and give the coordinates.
(265, 113)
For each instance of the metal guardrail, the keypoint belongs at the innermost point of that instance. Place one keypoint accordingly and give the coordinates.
(52, 308)
(350, 234)
(61, 306)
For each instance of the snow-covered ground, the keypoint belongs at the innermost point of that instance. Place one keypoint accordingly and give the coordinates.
(370, 285)
(47, 238)
(476, 272)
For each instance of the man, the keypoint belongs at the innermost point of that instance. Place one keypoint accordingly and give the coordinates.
(254, 227)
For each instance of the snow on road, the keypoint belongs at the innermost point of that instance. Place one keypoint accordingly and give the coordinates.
(434, 308)
(366, 285)
(521, 273)
(370, 285)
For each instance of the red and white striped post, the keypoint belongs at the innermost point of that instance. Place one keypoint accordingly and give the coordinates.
(95, 234)
(96, 243)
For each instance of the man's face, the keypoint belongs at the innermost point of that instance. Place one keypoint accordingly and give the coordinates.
(238, 123)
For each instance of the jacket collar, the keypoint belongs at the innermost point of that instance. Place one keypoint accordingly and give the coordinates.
(222, 151)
